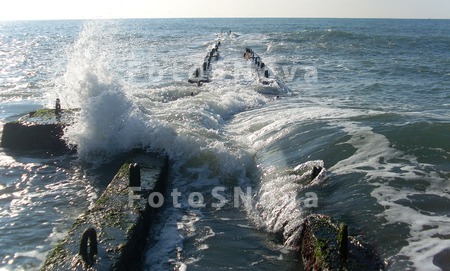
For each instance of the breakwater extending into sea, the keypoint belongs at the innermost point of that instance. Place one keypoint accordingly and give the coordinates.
(368, 102)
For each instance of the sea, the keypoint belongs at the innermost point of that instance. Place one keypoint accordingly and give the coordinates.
(365, 100)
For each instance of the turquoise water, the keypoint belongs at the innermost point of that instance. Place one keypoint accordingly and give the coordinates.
(368, 100)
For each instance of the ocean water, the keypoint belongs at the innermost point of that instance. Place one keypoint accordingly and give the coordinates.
(367, 100)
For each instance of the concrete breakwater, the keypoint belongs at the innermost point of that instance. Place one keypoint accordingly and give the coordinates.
(42, 129)
(112, 235)
(270, 83)
(117, 226)
(201, 75)
(323, 245)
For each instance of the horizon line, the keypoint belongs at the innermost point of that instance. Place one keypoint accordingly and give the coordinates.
(228, 17)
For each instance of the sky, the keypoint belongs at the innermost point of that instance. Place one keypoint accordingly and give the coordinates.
(110, 9)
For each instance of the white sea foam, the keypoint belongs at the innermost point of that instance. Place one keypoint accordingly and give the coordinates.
(38, 254)
(373, 157)
(165, 244)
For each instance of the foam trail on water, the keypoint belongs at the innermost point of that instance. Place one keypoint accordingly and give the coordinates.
(382, 164)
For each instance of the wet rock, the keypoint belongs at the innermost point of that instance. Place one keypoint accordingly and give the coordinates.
(324, 246)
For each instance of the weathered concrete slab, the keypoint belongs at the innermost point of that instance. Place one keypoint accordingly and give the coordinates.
(38, 130)
(325, 246)
(121, 221)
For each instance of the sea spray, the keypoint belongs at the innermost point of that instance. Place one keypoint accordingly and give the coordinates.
(109, 122)
(116, 117)
(88, 69)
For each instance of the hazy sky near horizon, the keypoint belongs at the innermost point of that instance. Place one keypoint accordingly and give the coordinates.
(108, 9)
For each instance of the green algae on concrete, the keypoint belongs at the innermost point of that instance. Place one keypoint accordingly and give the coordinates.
(321, 247)
(122, 228)
(343, 241)
(48, 116)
